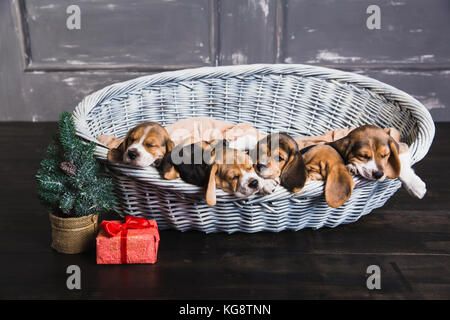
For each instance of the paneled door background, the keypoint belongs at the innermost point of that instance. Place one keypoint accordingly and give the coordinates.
(45, 66)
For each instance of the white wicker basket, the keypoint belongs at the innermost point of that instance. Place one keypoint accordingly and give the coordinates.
(298, 99)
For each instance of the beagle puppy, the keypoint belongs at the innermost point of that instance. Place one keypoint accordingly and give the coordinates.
(143, 146)
(213, 165)
(374, 154)
(324, 163)
(277, 157)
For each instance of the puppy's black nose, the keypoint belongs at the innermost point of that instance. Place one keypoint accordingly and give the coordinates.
(377, 174)
(253, 184)
(132, 154)
(260, 167)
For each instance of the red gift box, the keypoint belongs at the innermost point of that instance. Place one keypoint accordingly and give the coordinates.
(133, 241)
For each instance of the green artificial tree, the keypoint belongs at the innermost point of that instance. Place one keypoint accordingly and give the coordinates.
(70, 182)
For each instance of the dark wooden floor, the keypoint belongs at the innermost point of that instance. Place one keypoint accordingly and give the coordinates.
(409, 239)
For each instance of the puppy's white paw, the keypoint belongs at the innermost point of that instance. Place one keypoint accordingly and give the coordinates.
(269, 185)
(415, 186)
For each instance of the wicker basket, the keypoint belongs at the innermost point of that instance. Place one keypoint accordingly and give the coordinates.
(298, 99)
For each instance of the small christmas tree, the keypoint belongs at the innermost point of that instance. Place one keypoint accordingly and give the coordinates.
(69, 179)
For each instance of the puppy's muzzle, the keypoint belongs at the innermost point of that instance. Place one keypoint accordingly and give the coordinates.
(377, 174)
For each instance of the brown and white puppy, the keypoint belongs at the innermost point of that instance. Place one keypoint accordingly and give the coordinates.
(143, 146)
(373, 153)
(213, 165)
(277, 158)
(324, 163)
(232, 172)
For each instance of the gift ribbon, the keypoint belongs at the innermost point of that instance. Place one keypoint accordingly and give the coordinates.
(113, 228)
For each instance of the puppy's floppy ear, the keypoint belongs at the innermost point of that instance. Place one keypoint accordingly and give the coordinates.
(293, 175)
(211, 188)
(393, 166)
(167, 169)
(169, 145)
(342, 146)
(116, 155)
(394, 133)
(338, 185)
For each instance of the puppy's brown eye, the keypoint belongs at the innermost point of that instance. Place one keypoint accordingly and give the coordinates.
(235, 177)
(365, 156)
(132, 140)
(384, 155)
(280, 158)
(148, 145)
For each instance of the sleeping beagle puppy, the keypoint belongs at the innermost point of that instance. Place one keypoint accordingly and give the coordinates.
(324, 163)
(143, 146)
(277, 158)
(373, 153)
(213, 165)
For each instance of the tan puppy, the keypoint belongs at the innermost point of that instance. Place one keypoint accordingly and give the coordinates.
(143, 146)
(324, 163)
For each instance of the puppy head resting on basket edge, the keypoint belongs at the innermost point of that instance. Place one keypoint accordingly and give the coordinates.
(232, 172)
(213, 165)
(371, 152)
(143, 146)
(277, 157)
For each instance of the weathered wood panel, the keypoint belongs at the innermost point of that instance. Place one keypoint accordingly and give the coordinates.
(413, 32)
(134, 32)
(46, 94)
(12, 106)
(247, 31)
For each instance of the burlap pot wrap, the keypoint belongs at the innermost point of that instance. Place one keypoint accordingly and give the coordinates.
(73, 235)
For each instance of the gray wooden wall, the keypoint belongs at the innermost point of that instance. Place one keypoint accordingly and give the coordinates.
(45, 67)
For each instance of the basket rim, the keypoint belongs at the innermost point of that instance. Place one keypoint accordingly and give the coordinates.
(424, 121)
(151, 177)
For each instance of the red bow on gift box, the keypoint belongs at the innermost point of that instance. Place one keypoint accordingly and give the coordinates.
(113, 228)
